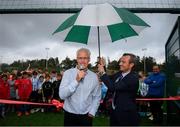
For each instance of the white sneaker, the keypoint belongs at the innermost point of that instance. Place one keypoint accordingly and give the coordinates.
(149, 114)
(37, 109)
(151, 118)
(32, 111)
(3, 114)
(42, 109)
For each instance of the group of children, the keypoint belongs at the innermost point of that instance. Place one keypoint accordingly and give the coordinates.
(28, 86)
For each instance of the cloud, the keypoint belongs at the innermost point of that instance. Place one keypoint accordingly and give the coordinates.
(25, 36)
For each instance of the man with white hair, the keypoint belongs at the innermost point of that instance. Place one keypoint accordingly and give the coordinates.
(80, 91)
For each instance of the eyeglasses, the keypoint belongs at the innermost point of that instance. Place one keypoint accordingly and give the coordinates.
(83, 58)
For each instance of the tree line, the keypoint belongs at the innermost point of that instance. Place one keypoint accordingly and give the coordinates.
(54, 64)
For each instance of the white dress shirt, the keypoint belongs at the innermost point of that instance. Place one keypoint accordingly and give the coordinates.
(83, 97)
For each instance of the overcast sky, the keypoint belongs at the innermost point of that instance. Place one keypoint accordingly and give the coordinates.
(25, 36)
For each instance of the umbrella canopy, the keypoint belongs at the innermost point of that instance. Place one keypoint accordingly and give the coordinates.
(120, 23)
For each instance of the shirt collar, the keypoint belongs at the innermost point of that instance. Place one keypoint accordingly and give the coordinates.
(126, 73)
(86, 70)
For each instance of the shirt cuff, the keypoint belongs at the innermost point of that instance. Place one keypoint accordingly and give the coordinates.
(73, 86)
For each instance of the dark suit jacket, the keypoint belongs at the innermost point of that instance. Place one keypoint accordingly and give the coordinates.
(126, 90)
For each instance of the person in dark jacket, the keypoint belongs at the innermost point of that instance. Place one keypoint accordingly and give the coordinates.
(56, 85)
(124, 86)
(47, 89)
(156, 83)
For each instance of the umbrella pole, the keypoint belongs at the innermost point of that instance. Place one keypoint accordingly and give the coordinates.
(99, 48)
(99, 42)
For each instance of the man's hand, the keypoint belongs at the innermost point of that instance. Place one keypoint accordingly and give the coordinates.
(80, 75)
(102, 61)
(101, 66)
(101, 69)
(91, 116)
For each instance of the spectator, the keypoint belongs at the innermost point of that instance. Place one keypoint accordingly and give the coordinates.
(34, 80)
(142, 92)
(156, 83)
(11, 82)
(40, 82)
(53, 76)
(24, 89)
(47, 89)
(39, 94)
(4, 93)
(56, 85)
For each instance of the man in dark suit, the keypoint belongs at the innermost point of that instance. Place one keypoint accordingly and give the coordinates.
(124, 86)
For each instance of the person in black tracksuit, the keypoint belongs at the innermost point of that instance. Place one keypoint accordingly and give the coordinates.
(56, 85)
(47, 90)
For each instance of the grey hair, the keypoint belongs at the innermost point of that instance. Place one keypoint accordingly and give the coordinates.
(83, 50)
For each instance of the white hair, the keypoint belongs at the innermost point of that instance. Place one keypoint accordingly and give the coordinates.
(83, 50)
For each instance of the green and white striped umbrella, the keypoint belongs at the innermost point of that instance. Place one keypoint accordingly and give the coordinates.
(120, 23)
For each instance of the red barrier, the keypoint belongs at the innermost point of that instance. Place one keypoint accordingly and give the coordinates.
(176, 98)
(60, 105)
(53, 103)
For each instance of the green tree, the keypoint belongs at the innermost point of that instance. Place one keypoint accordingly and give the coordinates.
(67, 63)
(4, 67)
(150, 61)
(51, 63)
(114, 65)
(139, 64)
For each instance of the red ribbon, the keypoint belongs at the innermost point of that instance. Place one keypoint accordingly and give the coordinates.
(53, 103)
(60, 105)
(57, 104)
(176, 98)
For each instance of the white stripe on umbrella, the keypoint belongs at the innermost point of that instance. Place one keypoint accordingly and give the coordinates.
(98, 15)
(138, 29)
(104, 35)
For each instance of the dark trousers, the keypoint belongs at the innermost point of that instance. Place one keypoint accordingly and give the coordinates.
(71, 119)
(155, 107)
(124, 118)
(23, 108)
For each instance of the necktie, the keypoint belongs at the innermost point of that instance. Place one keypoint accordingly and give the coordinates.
(114, 95)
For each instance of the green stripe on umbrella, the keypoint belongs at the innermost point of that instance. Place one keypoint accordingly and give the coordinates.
(120, 23)
(67, 23)
(81, 37)
(120, 31)
(129, 17)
